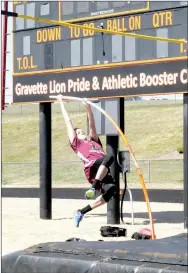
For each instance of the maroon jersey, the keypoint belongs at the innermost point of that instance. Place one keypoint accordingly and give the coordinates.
(88, 151)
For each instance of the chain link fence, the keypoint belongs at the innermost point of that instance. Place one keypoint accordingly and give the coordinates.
(154, 171)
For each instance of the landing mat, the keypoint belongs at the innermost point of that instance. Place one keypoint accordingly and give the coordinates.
(168, 255)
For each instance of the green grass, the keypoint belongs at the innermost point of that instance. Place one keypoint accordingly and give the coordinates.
(153, 130)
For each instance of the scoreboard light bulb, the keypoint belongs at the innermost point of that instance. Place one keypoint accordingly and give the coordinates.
(101, 25)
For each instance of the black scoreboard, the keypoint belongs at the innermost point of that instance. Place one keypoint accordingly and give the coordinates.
(52, 59)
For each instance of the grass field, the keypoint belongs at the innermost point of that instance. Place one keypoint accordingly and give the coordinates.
(154, 130)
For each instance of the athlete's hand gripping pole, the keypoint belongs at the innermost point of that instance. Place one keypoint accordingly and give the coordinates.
(60, 98)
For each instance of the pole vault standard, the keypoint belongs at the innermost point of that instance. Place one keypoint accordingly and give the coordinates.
(126, 142)
(101, 30)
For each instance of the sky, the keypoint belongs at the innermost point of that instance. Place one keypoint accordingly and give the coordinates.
(8, 92)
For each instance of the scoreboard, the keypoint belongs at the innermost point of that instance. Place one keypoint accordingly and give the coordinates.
(52, 55)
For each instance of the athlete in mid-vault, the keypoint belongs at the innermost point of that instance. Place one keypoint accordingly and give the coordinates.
(96, 163)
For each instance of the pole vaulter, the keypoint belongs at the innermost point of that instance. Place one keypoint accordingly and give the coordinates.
(126, 142)
(102, 30)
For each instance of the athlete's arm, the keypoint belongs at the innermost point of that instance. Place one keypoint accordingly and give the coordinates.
(92, 128)
(70, 129)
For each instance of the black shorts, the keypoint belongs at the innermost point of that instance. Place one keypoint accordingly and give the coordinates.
(107, 181)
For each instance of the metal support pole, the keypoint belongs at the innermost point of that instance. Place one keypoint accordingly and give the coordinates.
(4, 55)
(112, 142)
(45, 161)
(113, 206)
(185, 140)
(122, 114)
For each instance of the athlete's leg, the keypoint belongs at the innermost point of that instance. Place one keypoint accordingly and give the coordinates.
(108, 191)
(81, 212)
(103, 169)
(99, 171)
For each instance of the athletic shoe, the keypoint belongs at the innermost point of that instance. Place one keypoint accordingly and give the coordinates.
(90, 194)
(78, 218)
